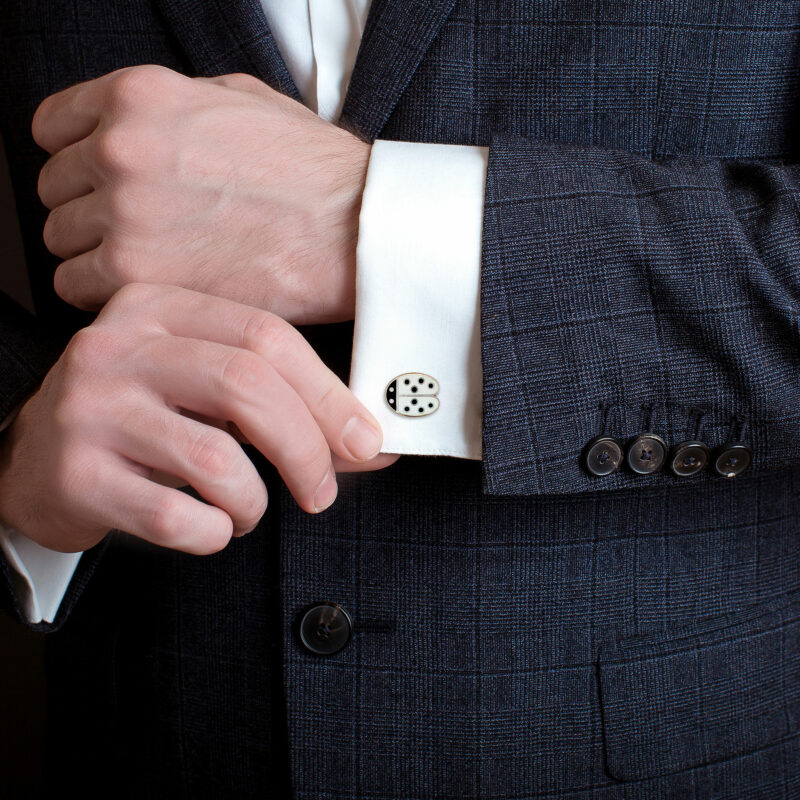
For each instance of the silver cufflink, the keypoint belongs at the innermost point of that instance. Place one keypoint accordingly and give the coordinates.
(413, 394)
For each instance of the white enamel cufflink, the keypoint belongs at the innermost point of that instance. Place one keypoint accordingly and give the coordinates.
(413, 394)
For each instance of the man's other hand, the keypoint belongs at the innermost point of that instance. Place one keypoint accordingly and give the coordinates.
(221, 185)
(163, 383)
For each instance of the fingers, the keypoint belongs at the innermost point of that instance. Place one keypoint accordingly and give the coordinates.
(65, 176)
(350, 429)
(203, 456)
(74, 227)
(159, 514)
(72, 114)
(68, 116)
(85, 281)
(230, 383)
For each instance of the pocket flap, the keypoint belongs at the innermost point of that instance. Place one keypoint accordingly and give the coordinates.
(727, 686)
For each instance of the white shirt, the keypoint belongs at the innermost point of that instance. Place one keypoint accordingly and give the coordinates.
(417, 278)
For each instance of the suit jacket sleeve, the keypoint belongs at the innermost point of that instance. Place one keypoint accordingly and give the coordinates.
(622, 295)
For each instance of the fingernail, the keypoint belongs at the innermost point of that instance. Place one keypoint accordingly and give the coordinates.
(361, 439)
(326, 492)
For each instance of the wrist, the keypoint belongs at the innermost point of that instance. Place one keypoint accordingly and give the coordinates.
(346, 199)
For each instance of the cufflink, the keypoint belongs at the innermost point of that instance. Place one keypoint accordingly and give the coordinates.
(412, 394)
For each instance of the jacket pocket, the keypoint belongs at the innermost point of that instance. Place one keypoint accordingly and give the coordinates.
(724, 687)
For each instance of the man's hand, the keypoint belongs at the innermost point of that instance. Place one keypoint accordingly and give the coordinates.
(220, 185)
(148, 389)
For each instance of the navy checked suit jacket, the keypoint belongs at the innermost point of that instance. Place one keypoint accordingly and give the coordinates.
(521, 629)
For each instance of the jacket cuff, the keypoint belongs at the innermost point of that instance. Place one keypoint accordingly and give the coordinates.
(618, 299)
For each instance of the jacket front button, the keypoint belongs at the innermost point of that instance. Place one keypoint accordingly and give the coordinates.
(732, 459)
(603, 455)
(325, 628)
(688, 458)
(646, 453)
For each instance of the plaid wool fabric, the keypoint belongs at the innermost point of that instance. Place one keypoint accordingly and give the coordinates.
(521, 630)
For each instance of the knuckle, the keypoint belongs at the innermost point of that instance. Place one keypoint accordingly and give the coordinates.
(265, 333)
(88, 347)
(139, 84)
(166, 520)
(113, 150)
(210, 455)
(310, 458)
(242, 80)
(330, 394)
(242, 374)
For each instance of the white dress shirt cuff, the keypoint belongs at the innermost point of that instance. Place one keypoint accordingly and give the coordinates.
(418, 292)
(42, 575)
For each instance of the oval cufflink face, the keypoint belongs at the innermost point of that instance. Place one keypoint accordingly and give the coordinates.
(413, 394)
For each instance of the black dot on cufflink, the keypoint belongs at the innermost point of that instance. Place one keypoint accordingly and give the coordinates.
(406, 381)
(420, 410)
(430, 386)
(422, 380)
(430, 405)
(413, 388)
(414, 401)
(406, 408)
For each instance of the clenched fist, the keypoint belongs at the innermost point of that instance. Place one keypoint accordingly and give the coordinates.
(146, 394)
(220, 185)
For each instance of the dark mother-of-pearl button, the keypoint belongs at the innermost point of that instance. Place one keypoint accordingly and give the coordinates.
(324, 628)
(602, 456)
(689, 458)
(646, 454)
(732, 459)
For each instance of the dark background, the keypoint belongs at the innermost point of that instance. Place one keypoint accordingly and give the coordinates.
(21, 674)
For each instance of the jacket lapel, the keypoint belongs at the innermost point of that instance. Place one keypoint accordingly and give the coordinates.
(396, 36)
(219, 37)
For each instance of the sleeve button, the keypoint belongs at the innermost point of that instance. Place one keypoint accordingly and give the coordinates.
(603, 455)
(732, 459)
(689, 458)
(646, 454)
